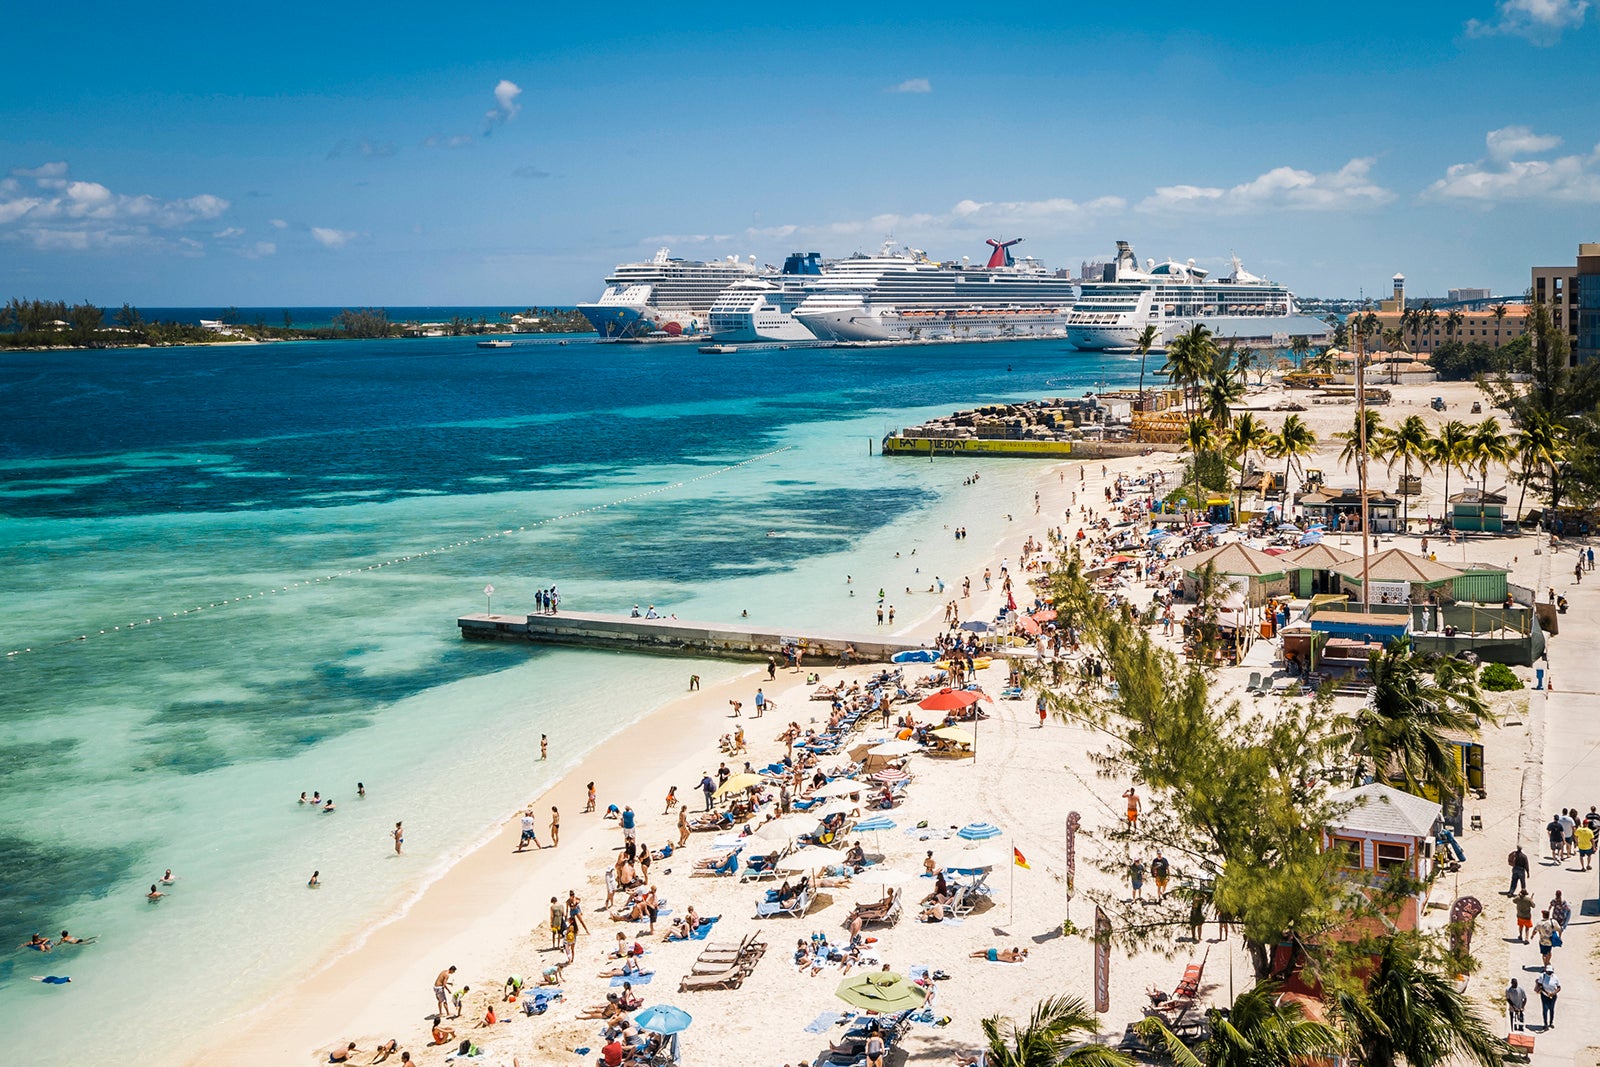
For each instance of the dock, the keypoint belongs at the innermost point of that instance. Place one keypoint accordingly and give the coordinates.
(676, 637)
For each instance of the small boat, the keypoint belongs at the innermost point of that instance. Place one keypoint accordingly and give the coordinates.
(719, 350)
(494, 343)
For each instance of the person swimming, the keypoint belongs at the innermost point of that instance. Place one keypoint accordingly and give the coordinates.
(38, 943)
(316, 880)
(154, 894)
(327, 809)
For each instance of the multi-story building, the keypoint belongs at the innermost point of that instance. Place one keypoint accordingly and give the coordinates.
(1467, 296)
(1573, 297)
(1426, 329)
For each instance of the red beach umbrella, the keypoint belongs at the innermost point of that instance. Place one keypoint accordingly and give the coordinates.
(891, 775)
(949, 700)
(1045, 615)
(1120, 559)
(1028, 625)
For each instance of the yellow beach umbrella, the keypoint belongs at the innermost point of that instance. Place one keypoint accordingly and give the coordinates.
(738, 783)
(956, 734)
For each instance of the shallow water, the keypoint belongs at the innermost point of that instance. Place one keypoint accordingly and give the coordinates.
(275, 542)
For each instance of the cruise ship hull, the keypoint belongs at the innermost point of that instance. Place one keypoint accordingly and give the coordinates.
(1254, 330)
(744, 327)
(616, 321)
(955, 324)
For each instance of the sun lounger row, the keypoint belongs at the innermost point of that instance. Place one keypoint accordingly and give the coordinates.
(723, 966)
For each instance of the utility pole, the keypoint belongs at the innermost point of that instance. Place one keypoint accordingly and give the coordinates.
(1361, 469)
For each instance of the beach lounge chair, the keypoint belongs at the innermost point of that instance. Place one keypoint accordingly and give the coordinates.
(732, 978)
(796, 907)
(1188, 987)
(730, 865)
(758, 868)
(885, 910)
(750, 946)
(1254, 685)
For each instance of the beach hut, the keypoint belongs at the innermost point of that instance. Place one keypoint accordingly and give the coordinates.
(1398, 577)
(1326, 505)
(1474, 509)
(1265, 575)
(1314, 569)
(1386, 833)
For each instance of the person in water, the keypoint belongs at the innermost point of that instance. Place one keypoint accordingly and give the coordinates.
(154, 894)
(37, 943)
(316, 880)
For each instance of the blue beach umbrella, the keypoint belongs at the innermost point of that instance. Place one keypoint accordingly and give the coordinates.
(663, 1019)
(877, 822)
(977, 626)
(978, 831)
(1288, 527)
(1157, 535)
(1310, 537)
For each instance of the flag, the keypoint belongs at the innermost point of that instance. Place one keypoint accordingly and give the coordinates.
(1019, 859)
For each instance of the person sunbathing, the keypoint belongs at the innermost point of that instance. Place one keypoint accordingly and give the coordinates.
(638, 907)
(442, 1034)
(626, 948)
(630, 966)
(627, 999)
(712, 862)
(608, 1011)
(1001, 955)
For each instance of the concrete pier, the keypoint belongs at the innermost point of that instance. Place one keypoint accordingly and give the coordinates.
(676, 637)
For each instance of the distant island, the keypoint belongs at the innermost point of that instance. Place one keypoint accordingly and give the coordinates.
(56, 324)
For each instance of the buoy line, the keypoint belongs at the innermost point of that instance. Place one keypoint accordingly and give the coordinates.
(394, 562)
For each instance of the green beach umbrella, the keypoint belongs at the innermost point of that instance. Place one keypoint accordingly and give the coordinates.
(881, 991)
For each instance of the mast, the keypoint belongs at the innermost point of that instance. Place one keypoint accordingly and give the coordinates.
(1361, 469)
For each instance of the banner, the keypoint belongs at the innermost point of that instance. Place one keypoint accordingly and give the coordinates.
(1073, 821)
(1102, 961)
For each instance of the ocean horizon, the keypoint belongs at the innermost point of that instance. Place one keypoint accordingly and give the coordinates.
(234, 574)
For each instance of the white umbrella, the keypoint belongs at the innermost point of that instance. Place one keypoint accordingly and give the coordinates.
(895, 748)
(977, 859)
(840, 787)
(786, 828)
(834, 807)
(880, 875)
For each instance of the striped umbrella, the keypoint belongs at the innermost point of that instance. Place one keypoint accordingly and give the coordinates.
(891, 775)
(877, 822)
(978, 831)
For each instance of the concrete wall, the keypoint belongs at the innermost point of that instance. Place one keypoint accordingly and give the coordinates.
(673, 637)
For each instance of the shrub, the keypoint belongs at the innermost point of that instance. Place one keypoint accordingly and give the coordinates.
(1497, 678)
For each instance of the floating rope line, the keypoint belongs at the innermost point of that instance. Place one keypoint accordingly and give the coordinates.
(396, 561)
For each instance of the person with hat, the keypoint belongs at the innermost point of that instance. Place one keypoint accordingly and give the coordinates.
(1548, 986)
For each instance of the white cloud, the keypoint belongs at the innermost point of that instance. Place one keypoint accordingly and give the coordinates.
(1282, 188)
(439, 140)
(1539, 21)
(279, 224)
(1573, 179)
(330, 238)
(912, 85)
(1509, 142)
(54, 211)
(259, 250)
(231, 231)
(505, 105)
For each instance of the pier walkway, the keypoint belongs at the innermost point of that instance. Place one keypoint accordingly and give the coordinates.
(676, 637)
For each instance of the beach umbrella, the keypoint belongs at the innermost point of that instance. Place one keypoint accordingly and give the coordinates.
(839, 787)
(890, 775)
(1310, 537)
(834, 807)
(738, 783)
(950, 700)
(1045, 615)
(1028, 625)
(977, 626)
(663, 1019)
(1288, 527)
(1199, 525)
(1120, 559)
(878, 874)
(955, 733)
(895, 748)
(1157, 535)
(881, 991)
(784, 829)
(876, 823)
(978, 831)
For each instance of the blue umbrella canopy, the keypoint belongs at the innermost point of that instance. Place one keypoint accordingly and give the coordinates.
(977, 626)
(1310, 537)
(663, 1019)
(978, 831)
(1288, 527)
(877, 822)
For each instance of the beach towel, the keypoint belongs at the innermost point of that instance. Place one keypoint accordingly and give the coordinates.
(919, 973)
(825, 1022)
(634, 979)
(703, 931)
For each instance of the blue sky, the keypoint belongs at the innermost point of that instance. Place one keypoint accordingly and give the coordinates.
(511, 154)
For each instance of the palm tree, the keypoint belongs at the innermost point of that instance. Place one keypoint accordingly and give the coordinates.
(1051, 1038)
(1190, 358)
(1413, 706)
(1499, 311)
(1200, 436)
(1352, 437)
(1452, 324)
(1406, 443)
(1485, 448)
(1146, 341)
(1292, 443)
(1540, 443)
(1299, 346)
(1258, 1031)
(1409, 1014)
(1447, 449)
(1245, 436)
(1219, 390)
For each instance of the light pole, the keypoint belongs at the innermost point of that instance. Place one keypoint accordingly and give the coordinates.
(488, 597)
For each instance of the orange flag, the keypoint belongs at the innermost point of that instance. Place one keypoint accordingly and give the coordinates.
(1019, 859)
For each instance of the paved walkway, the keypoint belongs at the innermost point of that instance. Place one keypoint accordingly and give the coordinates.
(1564, 772)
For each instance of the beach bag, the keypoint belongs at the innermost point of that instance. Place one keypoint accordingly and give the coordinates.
(1555, 938)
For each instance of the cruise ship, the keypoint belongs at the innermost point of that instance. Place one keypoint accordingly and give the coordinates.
(762, 309)
(901, 295)
(664, 296)
(1111, 314)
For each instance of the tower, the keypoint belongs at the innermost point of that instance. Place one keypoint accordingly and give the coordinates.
(1399, 292)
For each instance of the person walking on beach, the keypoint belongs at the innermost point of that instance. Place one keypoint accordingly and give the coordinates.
(590, 805)
(672, 800)
(891, 612)
(1517, 860)
(575, 910)
(683, 825)
(1160, 871)
(528, 833)
(544, 746)
(1516, 1001)
(761, 702)
(399, 835)
(558, 922)
(628, 820)
(880, 614)
(555, 826)
(708, 787)
(772, 668)
(1523, 904)
(1136, 878)
(1548, 986)
(1132, 797)
(441, 989)
(1548, 933)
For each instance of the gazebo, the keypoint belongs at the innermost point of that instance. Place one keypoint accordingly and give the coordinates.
(1398, 577)
(1265, 574)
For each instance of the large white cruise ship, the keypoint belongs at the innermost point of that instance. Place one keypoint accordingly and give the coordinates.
(762, 309)
(1111, 314)
(665, 295)
(903, 296)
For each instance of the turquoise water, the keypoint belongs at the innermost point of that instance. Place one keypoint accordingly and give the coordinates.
(232, 575)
